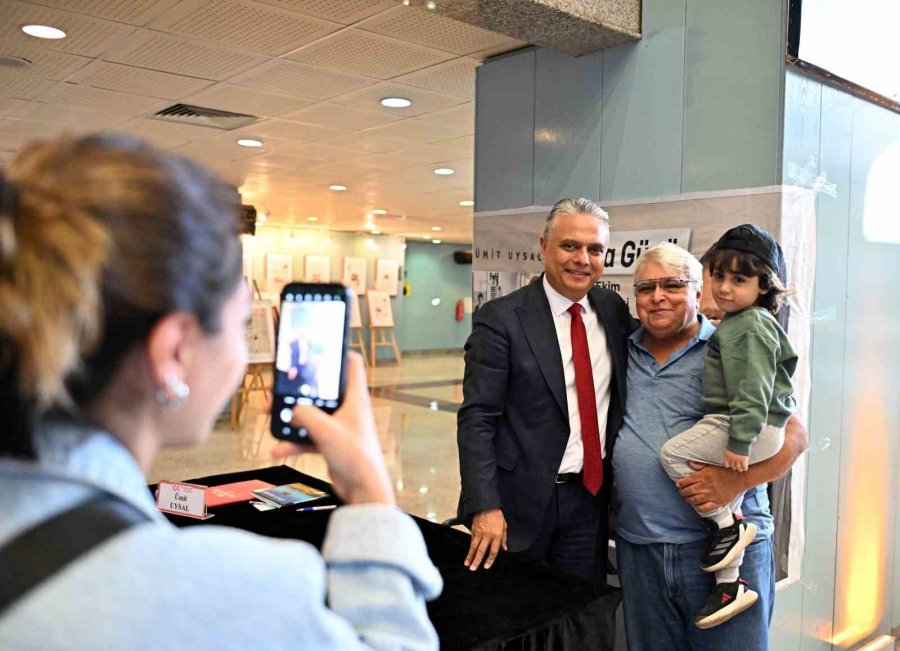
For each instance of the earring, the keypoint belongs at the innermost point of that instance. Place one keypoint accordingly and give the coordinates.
(175, 392)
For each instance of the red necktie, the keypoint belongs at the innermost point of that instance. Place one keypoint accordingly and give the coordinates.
(587, 403)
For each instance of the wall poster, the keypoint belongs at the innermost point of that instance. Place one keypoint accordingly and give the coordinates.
(279, 271)
(260, 333)
(387, 275)
(317, 269)
(354, 275)
(380, 314)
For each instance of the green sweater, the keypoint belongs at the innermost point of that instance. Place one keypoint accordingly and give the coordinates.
(749, 364)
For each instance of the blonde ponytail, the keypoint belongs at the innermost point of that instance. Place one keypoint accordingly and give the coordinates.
(99, 238)
(52, 259)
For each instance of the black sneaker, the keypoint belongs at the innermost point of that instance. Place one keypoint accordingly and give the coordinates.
(725, 601)
(725, 544)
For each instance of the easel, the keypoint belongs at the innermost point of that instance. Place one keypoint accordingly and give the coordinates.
(383, 338)
(253, 381)
(356, 341)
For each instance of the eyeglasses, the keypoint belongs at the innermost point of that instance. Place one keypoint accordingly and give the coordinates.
(668, 285)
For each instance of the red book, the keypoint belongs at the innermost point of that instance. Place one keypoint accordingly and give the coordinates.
(237, 492)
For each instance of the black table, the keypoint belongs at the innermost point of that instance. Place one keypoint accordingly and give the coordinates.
(517, 604)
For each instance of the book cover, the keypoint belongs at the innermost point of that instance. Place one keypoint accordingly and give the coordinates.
(240, 491)
(289, 494)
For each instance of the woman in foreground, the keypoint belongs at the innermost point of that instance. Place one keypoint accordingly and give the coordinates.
(122, 318)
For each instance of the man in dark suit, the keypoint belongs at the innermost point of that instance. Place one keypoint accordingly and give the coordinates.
(544, 392)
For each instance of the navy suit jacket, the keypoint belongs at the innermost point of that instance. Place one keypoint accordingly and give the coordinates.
(513, 425)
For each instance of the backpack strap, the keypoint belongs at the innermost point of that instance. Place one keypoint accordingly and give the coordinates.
(38, 553)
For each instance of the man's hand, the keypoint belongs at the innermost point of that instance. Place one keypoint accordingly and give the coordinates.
(710, 486)
(488, 536)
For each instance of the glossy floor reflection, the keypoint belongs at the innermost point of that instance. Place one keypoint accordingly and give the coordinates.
(415, 410)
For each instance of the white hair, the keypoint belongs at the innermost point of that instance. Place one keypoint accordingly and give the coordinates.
(673, 259)
(572, 207)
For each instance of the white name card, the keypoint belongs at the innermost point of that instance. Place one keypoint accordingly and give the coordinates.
(182, 499)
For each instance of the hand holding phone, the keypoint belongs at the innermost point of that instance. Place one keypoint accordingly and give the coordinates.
(310, 353)
(349, 442)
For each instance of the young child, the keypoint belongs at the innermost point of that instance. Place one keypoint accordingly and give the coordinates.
(747, 398)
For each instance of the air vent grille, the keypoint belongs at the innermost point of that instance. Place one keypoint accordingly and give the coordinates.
(200, 116)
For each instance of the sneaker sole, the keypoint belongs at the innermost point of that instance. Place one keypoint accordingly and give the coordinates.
(721, 616)
(739, 546)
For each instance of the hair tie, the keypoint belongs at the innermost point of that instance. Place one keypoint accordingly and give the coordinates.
(9, 211)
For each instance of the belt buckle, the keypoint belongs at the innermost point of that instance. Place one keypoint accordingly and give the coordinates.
(561, 481)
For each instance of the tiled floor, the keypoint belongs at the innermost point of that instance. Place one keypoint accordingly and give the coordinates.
(415, 409)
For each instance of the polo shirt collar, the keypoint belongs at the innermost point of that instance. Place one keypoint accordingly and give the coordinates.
(703, 334)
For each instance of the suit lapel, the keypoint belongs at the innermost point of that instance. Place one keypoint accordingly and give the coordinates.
(540, 331)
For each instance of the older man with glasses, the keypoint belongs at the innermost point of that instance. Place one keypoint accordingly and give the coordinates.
(660, 538)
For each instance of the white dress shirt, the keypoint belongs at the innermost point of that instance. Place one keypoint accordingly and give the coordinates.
(601, 365)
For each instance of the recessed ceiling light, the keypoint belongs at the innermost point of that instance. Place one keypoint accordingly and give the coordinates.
(375, 231)
(444, 171)
(436, 229)
(435, 241)
(337, 187)
(395, 102)
(261, 217)
(312, 218)
(426, 237)
(379, 212)
(44, 31)
(466, 203)
(250, 142)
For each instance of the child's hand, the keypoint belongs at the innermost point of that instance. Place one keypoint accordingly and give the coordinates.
(737, 462)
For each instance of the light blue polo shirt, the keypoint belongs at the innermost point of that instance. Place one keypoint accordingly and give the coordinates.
(663, 401)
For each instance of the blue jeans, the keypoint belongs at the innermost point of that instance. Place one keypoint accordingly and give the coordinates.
(663, 589)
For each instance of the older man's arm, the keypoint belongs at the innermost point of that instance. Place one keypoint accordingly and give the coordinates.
(712, 486)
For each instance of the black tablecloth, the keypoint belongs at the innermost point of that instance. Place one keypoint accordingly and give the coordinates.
(516, 604)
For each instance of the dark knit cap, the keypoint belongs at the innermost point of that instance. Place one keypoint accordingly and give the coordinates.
(750, 238)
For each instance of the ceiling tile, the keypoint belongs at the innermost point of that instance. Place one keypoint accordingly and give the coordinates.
(166, 135)
(87, 36)
(456, 77)
(368, 54)
(287, 130)
(303, 81)
(340, 117)
(133, 12)
(140, 81)
(369, 142)
(250, 101)
(104, 101)
(47, 64)
(420, 26)
(21, 86)
(183, 56)
(415, 131)
(244, 24)
(67, 117)
(461, 117)
(345, 12)
(423, 101)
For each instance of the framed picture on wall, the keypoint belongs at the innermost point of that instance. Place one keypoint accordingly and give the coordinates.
(354, 274)
(380, 314)
(279, 271)
(318, 269)
(387, 275)
(261, 333)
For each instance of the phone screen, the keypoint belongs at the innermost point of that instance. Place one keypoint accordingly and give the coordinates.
(309, 359)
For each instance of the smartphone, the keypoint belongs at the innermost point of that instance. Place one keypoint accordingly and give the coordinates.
(310, 353)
